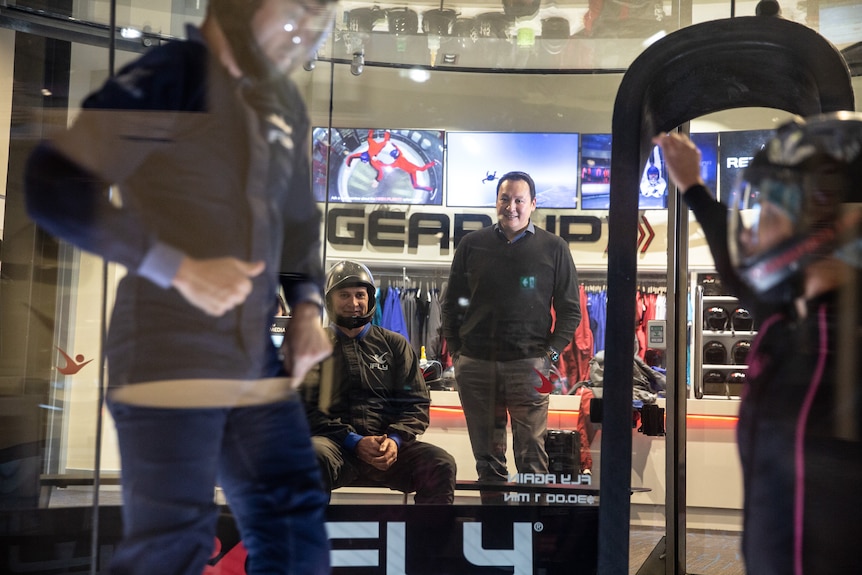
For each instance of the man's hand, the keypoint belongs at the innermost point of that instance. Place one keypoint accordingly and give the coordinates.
(216, 285)
(379, 451)
(682, 159)
(306, 342)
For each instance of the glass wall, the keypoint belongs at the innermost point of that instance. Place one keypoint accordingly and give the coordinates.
(465, 94)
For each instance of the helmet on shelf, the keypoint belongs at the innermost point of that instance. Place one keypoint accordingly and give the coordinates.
(438, 21)
(736, 377)
(363, 19)
(714, 353)
(715, 318)
(402, 21)
(741, 320)
(712, 285)
(521, 8)
(739, 351)
(555, 32)
(713, 376)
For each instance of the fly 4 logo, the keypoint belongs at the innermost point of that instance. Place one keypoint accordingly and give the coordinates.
(519, 557)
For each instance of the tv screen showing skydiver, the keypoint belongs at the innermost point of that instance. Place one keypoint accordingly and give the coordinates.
(377, 166)
(595, 170)
(475, 161)
(735, 151)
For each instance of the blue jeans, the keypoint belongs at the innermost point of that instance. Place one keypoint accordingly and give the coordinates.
(261, 456)
(491, 392)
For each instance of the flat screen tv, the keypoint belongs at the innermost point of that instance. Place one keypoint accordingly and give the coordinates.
(475, 161)
(707, 142)
(840, 21)
(735, 151)
(595, 169)
(378, 166)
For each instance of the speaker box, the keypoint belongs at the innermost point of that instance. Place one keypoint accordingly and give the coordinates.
(564, 451)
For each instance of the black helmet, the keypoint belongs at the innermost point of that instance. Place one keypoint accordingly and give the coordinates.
(736, 377)
(805, 177)
(309, 25)
(403, 21)
(555, 33)
(714, 353)
(433, 375)
(521, 8)
(712, 285)
(350, 274)
(715, 318)
(493, 25)
(741, 320)
(364, 18)
(713, 376)
(438, 21)
(739, 351)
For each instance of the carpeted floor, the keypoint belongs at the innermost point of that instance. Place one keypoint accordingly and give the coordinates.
(707, 552)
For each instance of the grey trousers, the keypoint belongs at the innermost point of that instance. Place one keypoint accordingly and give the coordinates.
(492, 392)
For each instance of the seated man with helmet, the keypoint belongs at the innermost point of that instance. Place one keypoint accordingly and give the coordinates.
(368, 403)
(788, 244)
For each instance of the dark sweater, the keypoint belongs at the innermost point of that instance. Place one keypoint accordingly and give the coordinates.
(498, 301)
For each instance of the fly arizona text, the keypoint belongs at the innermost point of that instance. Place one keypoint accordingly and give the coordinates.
(560, 483)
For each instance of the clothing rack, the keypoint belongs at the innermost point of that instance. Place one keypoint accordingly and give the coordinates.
(409, 278)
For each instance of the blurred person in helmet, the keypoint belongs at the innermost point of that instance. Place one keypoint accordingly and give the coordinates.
(368, 403)
(205, 141)
(788, 245)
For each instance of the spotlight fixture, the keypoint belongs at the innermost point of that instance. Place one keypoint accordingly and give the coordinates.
(358, 64)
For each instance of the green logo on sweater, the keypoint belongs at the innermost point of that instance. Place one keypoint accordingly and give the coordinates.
(528, 282)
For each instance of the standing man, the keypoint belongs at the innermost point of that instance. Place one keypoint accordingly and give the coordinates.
(788, 243)
(366, 426)
(206, 142)
(505, 282)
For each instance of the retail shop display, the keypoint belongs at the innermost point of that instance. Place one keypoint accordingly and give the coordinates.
(723, 339)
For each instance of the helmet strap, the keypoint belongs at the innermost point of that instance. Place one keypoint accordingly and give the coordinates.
(352, 322)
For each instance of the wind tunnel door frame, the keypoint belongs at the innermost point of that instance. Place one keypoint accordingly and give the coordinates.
(697, 70)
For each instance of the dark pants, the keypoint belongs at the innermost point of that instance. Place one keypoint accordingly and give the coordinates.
(493, 393)
(425, 469)
(261, 456)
